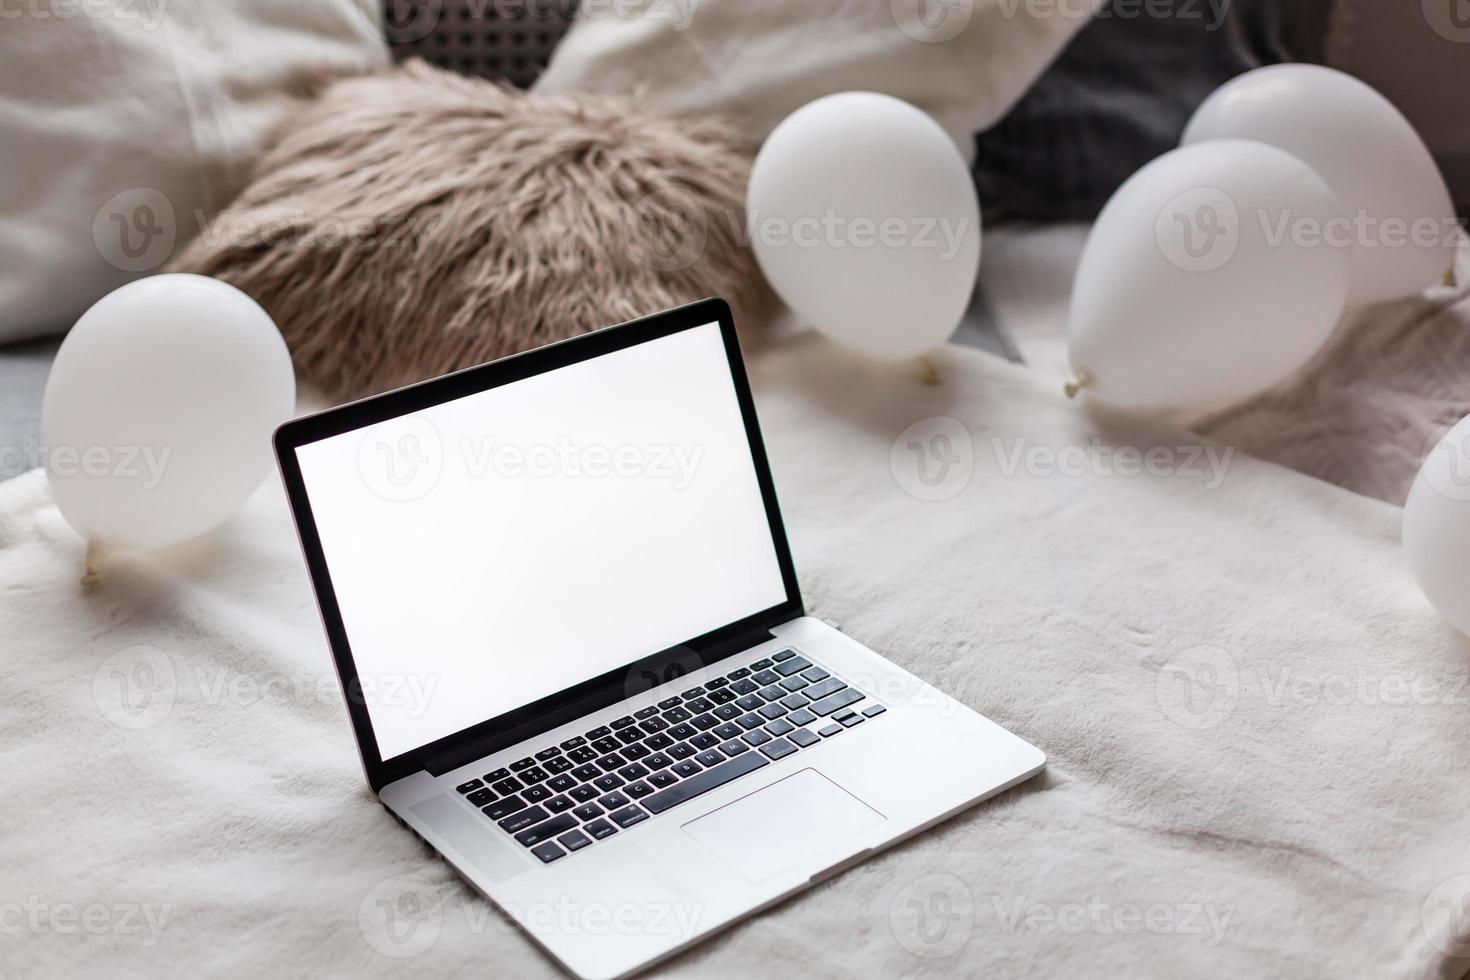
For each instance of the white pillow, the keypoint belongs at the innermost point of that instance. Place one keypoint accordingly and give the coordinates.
(126, 124)
(965, 62)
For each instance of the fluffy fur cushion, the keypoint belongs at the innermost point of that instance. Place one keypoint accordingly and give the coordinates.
(415, 222)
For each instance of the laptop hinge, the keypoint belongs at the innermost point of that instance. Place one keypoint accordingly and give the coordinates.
(687, 662)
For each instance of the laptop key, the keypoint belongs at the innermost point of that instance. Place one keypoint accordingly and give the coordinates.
(653, 726)
(791, 702)
(773, 711)
(581, 754)
(637, 790)
(803, 737)
(681, 751)
(535, 794)
(727, 731)
(521, 764)
(722, 696)
(668, 703)
(873, 710)
(610, 762)
(715, 684)
(550, 753)
(588, 811)
(697, 705)
(766, 678)
(587, 773)
(630, 735)
(836, 701)
(843, 715)
(854, 720)
(795, 683)
(783, 655)
(704, 740)
(703, 782)
(501, 809)
(647, 712)
(560, 764)
(535, 774)
(469, 787)
(659, 741)
(635, 771)
(675, 715)
(705, 722)
(622, 722)
(778, 749)
(497, 775)
(612, 801)
(773, 693)
(548, 852)
(750, 721)
(583, 793)
(607, 744)
(629, 816)
(711, 758)
(688, 768)
(728, 712)
(693, 692)
(762, 664)
(740, 674)
(793, 666)
(757, 737)
(635, 752)
(522, 819)
(681, 732)
(559, 804)
(658, 761)
(801, 716)
(779, 727)
(561, 784)
(574, 743)
(661, 779)
(574, 841)
(734, 747)
(745, 689)
(823, 688)
(480, 797)
(827, 731)
(600, 829)
(608, 783)
(601, 732)
(547, 830)
(508, 785)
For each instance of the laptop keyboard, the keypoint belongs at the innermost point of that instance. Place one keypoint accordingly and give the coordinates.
(567, 797)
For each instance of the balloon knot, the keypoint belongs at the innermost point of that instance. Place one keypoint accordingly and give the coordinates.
(930, 375)
(1083, 380)
(90, 574)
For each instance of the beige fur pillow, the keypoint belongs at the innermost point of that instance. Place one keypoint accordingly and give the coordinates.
(416, 222)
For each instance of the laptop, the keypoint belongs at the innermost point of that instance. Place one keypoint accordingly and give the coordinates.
(574, 652)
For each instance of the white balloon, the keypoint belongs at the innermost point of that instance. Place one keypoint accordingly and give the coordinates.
(863, 216)
(158, 413)
(1437, 526)
(1401, 222)
(1184, 296)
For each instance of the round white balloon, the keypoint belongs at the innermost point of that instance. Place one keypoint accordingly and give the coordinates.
(1185, 296)
(1400, 222)
(864, 219)
(1437, 526)
(159, 410)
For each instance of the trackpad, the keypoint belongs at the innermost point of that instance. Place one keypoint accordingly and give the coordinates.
(800, 818)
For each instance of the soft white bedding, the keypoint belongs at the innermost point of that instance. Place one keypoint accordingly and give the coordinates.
(1256, 726)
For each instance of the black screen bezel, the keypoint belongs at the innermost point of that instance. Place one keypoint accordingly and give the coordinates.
(608, 688)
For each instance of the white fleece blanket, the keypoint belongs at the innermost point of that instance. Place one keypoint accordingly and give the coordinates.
(1256, 726)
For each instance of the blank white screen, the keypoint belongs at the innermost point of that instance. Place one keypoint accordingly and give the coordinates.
(470, 586)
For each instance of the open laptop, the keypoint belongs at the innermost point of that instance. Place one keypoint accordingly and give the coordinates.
(575, 656)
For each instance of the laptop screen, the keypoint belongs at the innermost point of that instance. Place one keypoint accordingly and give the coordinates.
(493, 550)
